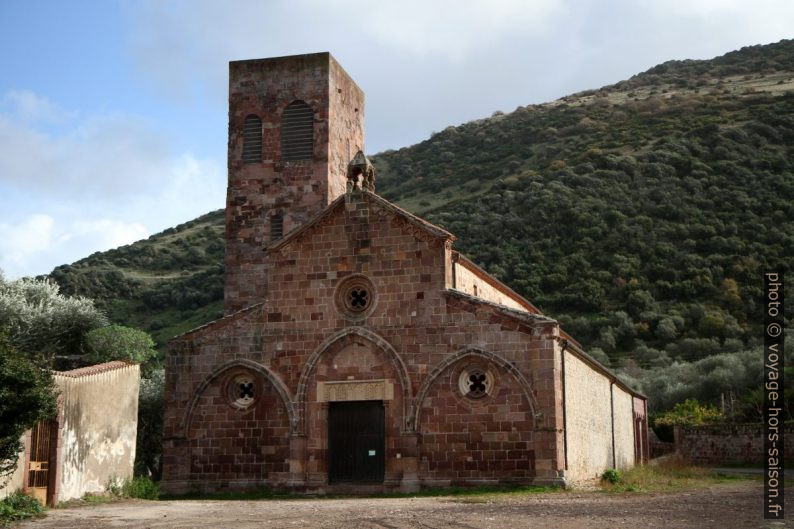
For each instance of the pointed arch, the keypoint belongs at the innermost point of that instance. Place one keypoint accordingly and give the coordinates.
(271, 377)
(347, 334)
(454, 358)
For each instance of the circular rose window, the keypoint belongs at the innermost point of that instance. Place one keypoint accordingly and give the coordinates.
(355, 297)
(242, 391)
(475, 382)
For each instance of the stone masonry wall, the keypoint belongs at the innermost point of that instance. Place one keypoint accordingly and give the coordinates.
(624, 428)
(727, 443)
(588, 416)
(468, 440)
(240, 446)
(415, 327)
(297, 190)
(473, 283)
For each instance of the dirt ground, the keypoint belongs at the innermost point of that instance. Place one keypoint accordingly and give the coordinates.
(733, 505)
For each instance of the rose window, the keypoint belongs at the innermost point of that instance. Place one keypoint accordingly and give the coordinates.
(475, 382)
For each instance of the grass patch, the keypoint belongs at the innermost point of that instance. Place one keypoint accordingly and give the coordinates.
(483, 492)
(141, 487)
(19, 506)
(116, 490)
(670, 475)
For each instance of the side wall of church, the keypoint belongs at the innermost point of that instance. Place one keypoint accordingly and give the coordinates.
(588, 414)
(624, 428)
(599, 413)
(469, 281)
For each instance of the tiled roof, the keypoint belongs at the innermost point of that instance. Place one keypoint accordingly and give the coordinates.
(93, 370)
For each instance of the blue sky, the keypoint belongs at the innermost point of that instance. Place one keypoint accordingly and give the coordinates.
(113, 113)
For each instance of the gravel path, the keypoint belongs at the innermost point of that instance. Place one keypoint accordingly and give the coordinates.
(733, 505)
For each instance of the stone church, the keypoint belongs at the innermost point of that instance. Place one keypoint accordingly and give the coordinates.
(359, 350)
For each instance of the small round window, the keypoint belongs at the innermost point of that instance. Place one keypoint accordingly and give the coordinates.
(242, 391)
(475, 382)
(355, 297)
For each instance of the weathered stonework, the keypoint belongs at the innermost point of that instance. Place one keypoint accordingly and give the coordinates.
(414, 323)
(295, 189)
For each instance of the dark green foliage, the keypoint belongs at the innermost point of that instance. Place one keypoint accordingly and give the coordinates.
(141, 487)
(27, 395)
(150, 425)
(18, 506)
(115, 342)
(612, 476)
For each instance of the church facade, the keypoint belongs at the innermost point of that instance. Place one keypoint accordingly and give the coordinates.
(359, 350)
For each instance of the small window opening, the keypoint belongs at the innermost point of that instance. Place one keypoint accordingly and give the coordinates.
(276, 227)
(252, 139)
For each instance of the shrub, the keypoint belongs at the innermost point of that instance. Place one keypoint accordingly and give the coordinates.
(18, 506)
(141, 487)
(690, 413)
(612, 476)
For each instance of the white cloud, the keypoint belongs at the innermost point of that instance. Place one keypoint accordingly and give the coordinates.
(98, 183)
(37, 244)
(21, 242)
(101, 156)
(29, 106)
(448, 28)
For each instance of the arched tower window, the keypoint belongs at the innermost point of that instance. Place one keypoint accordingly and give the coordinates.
(252, 139)
(297, 132)
(276, 226)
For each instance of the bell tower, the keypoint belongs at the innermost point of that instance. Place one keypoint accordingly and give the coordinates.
(294, 124)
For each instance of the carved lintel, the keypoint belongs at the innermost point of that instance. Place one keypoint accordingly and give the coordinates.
(345, 390)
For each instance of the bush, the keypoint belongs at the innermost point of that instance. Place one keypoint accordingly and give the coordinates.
(141, 487)
(690, 413)
(18, 506)
(612, 476)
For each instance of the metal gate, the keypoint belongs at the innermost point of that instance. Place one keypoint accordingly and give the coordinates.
(356, 432)
(39, 463)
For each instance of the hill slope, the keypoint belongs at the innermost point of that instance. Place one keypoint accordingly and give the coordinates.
(641, 214)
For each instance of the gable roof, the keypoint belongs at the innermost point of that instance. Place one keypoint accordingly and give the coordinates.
(410, 218)
(220, 322)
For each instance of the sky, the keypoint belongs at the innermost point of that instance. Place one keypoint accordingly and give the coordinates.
(113, 113)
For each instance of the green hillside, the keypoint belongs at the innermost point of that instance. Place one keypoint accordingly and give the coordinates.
(641, 214)
(166, 284)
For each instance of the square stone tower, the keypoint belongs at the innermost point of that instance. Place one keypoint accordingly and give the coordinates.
(294, 124)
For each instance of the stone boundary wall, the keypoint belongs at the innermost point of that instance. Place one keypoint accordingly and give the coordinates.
(722, 443)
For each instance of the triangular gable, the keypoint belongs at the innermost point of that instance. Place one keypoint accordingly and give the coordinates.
(418, 224)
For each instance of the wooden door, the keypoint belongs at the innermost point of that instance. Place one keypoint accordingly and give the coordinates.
(39, 463)
(356, 441)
